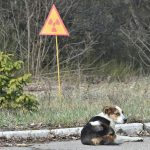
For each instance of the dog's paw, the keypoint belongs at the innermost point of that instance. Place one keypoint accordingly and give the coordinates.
(139, 139)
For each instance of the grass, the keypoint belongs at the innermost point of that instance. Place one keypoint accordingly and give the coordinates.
(81, 101)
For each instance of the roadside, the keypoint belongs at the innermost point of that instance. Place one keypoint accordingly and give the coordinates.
(76, 145)
(54, 119)
(27, 137)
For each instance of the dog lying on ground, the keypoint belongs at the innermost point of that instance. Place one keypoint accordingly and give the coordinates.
(100, 130)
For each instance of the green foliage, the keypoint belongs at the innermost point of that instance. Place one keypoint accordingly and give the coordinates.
(11, 86)
(114, 70)
(119, 71)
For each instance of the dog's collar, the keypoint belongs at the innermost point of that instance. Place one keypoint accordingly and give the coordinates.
(112, 123)
(100, 119)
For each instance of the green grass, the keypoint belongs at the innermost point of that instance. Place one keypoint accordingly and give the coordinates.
(81, 101)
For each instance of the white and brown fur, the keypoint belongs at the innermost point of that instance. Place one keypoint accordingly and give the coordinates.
(100, 129)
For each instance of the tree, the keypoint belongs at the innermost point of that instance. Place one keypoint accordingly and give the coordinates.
(11, 86)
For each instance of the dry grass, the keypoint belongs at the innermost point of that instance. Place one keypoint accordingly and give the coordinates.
(81, 101)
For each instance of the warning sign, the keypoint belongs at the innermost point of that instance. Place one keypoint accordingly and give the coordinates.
(54, 24)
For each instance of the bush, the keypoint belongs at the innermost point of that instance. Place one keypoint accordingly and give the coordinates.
(11, 86)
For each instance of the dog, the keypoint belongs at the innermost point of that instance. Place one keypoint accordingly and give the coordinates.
(100, 129)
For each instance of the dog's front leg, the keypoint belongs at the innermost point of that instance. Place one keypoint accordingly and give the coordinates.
(122, 139)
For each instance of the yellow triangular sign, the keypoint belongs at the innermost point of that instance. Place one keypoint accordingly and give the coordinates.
(54, 24)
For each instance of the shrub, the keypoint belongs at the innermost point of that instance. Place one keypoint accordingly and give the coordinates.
(12, 96)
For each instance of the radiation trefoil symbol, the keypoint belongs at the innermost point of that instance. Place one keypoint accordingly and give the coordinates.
(54, 24)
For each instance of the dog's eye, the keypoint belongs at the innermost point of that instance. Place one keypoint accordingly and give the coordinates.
(117, 114)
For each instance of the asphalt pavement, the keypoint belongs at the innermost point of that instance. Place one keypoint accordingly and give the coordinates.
(76, 145)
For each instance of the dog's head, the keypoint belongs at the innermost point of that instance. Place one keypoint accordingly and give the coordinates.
(115, 113)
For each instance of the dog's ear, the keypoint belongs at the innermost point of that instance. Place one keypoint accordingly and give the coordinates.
(108, 110)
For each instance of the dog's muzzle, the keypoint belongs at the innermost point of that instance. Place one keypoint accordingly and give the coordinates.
(125, 120)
